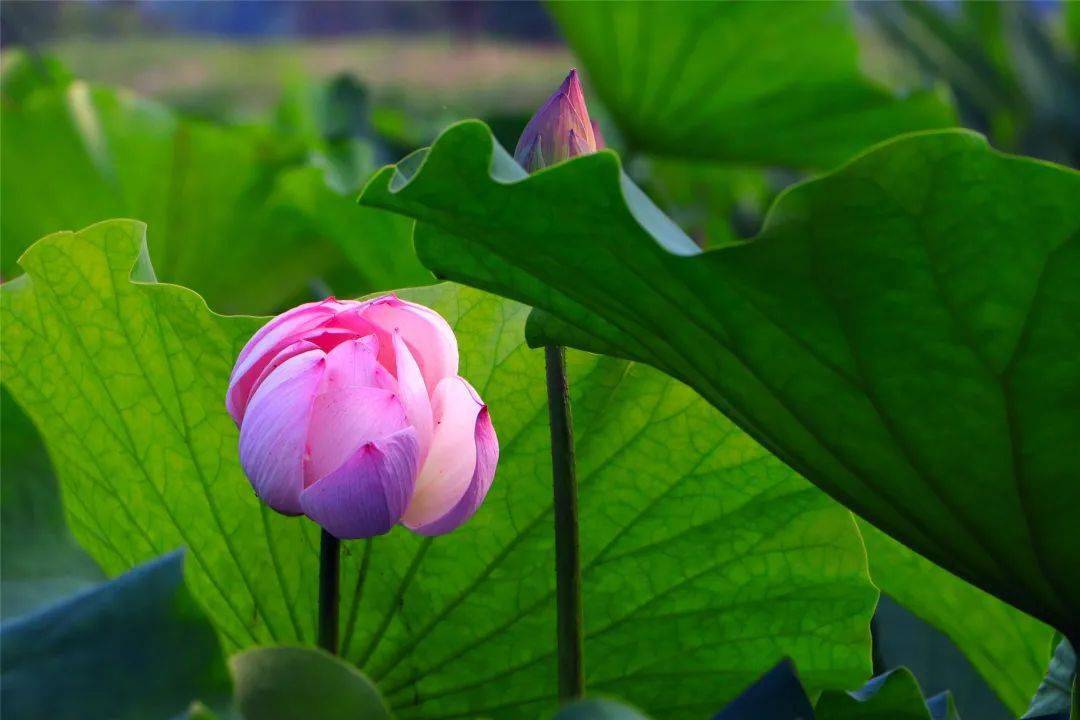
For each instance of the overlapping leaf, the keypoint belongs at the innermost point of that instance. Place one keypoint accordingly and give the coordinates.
(39, 560)
(131, 648)
(286, 683)
(1006, 646)
(904, 331)
(739, 82)
(239, 213)
(127, 382)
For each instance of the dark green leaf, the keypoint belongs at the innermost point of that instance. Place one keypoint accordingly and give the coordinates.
(137, 647)
(739, 81)
(903, 332)
(894, 695)
(127, 381)
(289, 683)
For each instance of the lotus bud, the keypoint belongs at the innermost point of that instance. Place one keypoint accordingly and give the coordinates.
(559, 130)
(353, 413)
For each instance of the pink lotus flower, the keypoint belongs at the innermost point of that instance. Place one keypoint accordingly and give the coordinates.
(353, 414)
(559, 130)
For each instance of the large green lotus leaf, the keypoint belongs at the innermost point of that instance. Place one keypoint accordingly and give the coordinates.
(137, 647)
(705, 559)
(238, 213)
(1006, 646)
(739, 82)
(904, 332)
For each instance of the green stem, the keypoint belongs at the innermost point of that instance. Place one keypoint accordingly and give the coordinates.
(329, 595)
(567, 549)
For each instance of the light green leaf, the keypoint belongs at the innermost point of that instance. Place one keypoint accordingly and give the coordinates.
(133, 648)
(287, 683)
(893, 696)
(238, 213)
(739, 82)
(127, 381)
(39, 560)
(1006, 647)
(903, 332)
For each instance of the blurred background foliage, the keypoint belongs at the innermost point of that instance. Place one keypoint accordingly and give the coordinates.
(241, 132)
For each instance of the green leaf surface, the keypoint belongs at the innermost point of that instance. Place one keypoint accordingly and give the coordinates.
(895, 695)
(238, 213)
(1006, 647)
(39, 560)
(127, 381)
(289, 683)
(134, 648)
(599, 709)
(904, 332)
(739, 82)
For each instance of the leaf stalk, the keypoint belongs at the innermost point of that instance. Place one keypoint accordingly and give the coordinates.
(567, 545)
(329, 591)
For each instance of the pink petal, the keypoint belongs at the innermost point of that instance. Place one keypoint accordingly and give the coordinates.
(367, 494)
(346, 419)
(265, 344)
(427, 334)
(460, 465)
(290, 351)
(354, 363)
(275, 428)
(573, 91)
(414, 395)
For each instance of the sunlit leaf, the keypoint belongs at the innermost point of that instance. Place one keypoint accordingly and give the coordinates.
(127, 381)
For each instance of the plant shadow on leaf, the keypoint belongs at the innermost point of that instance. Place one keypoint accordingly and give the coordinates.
(127, 380)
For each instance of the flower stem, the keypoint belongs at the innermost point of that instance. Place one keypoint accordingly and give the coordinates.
(567, 550)
(329, 595)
